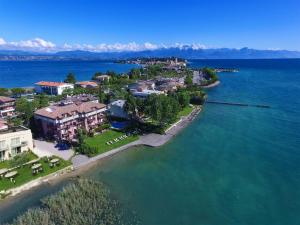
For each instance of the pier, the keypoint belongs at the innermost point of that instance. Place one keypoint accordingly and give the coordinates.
(238, 104)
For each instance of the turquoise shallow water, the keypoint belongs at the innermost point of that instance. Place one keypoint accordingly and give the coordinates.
(232, 166)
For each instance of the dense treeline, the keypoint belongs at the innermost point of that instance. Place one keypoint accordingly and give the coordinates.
(210, 75)
(163, 109)
(85, 202)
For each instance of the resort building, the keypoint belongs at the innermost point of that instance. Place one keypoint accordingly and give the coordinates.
(146, 93)
(87, 84)
(7, 106)
(142, 86)
(116, 109)
(61, 122)
(102, 78)
(77, 99)
(14, 140)
(52, 88)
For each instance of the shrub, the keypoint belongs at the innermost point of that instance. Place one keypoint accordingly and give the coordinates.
(83, 202)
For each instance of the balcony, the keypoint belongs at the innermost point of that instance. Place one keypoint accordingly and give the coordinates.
(3, 148)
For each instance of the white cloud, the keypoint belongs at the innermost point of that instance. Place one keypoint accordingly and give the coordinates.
(2, 41)
(41, 45)
(36, 44)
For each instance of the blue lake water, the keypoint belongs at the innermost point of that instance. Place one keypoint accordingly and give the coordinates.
(26, 73)
(232, 166)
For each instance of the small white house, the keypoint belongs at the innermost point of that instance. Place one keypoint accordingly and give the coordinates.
(52, 88)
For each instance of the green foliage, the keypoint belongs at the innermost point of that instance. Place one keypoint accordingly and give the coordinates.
(4, 92)
(25, 109)
(17, 91)
(41, 101)
(96, 75)
(188, 80)
(83, 202)
(162, 108)
(210, 75)
(134, 73)
(130, 105)
(101, 95)
(20, 159)
(70, 78)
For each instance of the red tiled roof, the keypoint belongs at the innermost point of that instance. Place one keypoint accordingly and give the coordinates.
(58, 112)
(4, 99)
(50, 83)
(87, 83)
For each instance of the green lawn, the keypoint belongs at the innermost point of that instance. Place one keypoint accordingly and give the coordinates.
(99, 141)
(185, 112)
(25, 174)
(6, 163)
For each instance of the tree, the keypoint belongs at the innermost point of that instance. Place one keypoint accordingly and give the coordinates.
(96, 75)
(70, 78)
(183, 98)
(25, 109)
(130, 105)
(41, 101)
(134, 73)
(3, 91)
(188, 80)
(17, 91)
(101, 95)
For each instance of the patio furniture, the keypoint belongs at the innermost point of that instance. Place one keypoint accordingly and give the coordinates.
(54, 162)
(11, 175)
(3, 172)
(36, 168)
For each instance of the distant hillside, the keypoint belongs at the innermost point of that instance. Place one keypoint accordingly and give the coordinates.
(183, 52)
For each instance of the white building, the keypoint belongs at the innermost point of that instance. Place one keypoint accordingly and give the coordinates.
(14, 141)
(146, 93)
(52, 88)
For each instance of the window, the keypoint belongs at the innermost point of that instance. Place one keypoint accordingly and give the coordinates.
(15, 141)
(2, 144)
(2, 155)
(15, 151)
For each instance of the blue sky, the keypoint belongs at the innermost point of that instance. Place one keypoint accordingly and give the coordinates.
(69, 24)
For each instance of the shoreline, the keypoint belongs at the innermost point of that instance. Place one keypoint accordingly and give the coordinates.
(82, 163)
(212, 85)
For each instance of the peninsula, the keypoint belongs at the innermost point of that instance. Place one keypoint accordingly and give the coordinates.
(56, 127)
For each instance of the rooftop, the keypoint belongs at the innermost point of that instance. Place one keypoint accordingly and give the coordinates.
(12, 129)
(90, 83)
(51, 83)
(60, 111)
(4, 99)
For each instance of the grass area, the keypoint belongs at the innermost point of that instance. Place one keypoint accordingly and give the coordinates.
(186, 111)
(25, 174)
(99, 141)
(7, 163)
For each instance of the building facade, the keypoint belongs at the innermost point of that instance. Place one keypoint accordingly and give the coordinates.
(52, 88)
(13, 141)
(7, 106)
(62, 122)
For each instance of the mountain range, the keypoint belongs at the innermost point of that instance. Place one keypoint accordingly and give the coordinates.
(182, 52)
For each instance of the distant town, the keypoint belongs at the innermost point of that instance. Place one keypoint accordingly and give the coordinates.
(48, 127)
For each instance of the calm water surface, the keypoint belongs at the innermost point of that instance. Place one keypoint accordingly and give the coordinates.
(232, 166)
(25, 74)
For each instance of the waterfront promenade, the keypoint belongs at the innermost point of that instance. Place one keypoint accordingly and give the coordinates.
(151, 140)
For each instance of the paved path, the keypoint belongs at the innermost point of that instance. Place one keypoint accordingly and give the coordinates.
(152, 140)
(43, 148)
